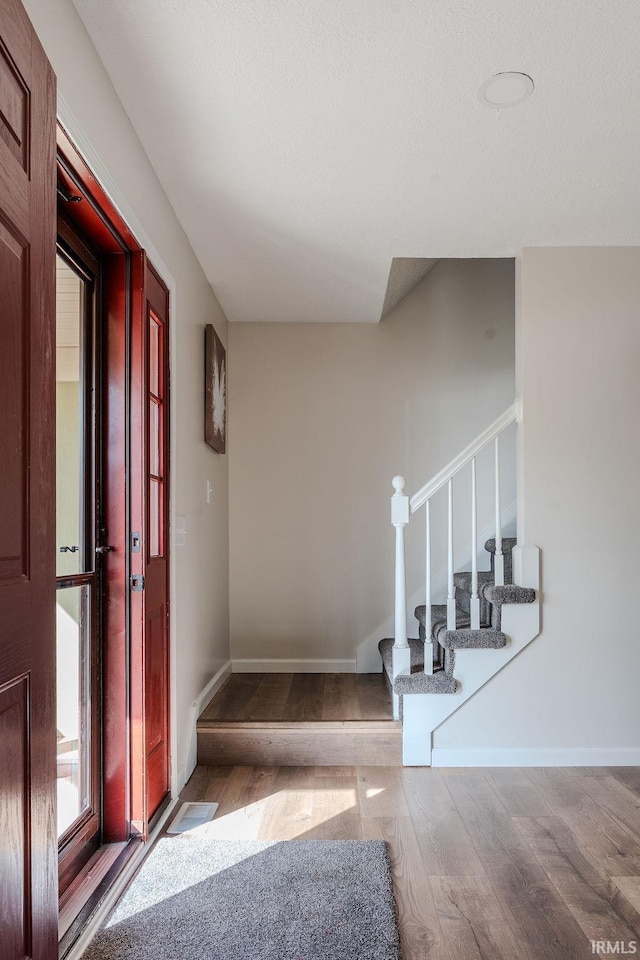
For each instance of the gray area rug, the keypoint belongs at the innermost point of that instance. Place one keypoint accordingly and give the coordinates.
(196, 898)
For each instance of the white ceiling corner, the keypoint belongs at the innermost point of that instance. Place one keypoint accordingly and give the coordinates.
(404, 275)
(306, 145)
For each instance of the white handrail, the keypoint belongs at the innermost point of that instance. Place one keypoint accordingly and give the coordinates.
(443, 477)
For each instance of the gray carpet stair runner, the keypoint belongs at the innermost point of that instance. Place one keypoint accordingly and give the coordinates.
(446, 642)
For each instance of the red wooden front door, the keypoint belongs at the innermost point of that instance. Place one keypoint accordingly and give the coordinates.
(28, 836)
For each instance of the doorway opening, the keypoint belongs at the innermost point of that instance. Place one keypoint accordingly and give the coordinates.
(112, 537)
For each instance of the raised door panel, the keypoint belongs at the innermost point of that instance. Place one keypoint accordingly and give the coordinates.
(15, 878)
(14, 409)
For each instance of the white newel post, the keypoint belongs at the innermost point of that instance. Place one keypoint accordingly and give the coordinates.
(400, 519)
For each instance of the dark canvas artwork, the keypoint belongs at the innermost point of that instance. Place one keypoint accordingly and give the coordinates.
(215, 404)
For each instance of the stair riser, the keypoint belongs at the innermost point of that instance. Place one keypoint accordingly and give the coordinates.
(301, 748)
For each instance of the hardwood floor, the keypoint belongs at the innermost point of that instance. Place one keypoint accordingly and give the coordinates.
(275, 697)
(491, 864)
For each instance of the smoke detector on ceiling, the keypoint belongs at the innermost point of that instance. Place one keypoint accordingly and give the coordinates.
(506, 90)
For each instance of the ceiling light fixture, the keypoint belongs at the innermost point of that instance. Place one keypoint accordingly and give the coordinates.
(505, 90)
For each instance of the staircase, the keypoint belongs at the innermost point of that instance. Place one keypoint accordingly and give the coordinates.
(487, 619)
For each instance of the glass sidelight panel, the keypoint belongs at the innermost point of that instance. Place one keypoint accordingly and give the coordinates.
(77, 644)
(73, 655)
(69, 420)
(156, 449)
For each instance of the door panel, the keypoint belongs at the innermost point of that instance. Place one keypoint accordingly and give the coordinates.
(150, 505)
(14, 818)
(28, 857)
(14, 540)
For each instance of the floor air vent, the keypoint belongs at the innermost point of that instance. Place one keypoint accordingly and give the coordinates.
(192, 815)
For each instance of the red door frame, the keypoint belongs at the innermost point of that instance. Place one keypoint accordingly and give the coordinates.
(125, 277)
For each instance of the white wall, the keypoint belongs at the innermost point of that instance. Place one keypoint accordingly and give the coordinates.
(200, 598)
(322, 416)
(572, 695)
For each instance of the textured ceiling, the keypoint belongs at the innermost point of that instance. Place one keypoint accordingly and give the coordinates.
(405, 273)
(306, 143)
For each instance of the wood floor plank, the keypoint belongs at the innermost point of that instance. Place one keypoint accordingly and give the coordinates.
(201, 780)
(340, 699)
(515, 873)
(231, 701)
(241, 794)
(626, 900)
(270, 698)
(373, 695)
(616, 799)
(517, 793)
(381, 793)
(305, 697)
(335, 813)
(420, 930)
(289, 810)
(629, 776)
(474, 924)
(445, 845)
(341, 772)
(581, 887)
(604, 838)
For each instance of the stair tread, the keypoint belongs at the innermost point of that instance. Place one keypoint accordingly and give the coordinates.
(417, 681)
(440, 682)
(484, 639)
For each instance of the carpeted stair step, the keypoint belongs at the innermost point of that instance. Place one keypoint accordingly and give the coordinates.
(418, 682)
(485, 638)
(509, 593)
(438, 619)
(442, 681)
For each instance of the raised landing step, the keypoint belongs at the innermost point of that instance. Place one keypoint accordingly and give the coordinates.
(317, 743)
(330, 720)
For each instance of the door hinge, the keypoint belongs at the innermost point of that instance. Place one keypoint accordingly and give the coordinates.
(137, 583)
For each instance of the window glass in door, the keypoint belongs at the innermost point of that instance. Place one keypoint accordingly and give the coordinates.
(77, 649)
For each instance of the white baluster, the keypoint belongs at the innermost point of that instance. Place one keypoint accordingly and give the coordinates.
(498, 561)
(475, 600)
(451, 590)
(428, 642)
(400, 519)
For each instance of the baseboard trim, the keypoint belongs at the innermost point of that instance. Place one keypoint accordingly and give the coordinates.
(209, 692)
(294, 666)
(198, 705)
(542, 757)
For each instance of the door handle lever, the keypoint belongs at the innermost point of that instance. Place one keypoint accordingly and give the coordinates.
(101, 550)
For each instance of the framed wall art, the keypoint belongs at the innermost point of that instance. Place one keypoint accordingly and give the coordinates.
(215, 400)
